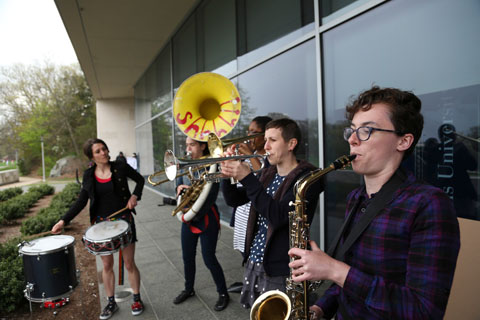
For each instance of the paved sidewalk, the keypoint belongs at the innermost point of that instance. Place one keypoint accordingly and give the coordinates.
(159, 259)
(23, 181)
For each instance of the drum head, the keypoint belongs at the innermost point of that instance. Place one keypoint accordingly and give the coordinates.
(46, 245)
(106, 230)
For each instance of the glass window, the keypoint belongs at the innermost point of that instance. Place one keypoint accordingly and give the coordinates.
(162, 90)
(184, 52)
(403, 44)
(142, 107)
(162, 141)
(268, 25)
(285, 87)
(331, 9)
(217, 22)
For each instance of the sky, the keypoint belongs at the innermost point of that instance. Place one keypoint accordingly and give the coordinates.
(31, 31)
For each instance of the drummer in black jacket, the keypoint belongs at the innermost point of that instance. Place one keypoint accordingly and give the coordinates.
(105, 185)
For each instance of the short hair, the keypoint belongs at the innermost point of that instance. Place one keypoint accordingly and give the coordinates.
(404, 110)
(262, 121)
(290, 130)
(87, 147)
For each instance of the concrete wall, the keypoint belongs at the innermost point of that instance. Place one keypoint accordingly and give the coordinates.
(116, 125)
(9, 176)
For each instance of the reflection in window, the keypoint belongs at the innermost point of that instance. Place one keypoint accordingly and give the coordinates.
(217, 20)
(184, 52)
(162, 141)
(142, 107)
(285, 87)
(259, 37)
(419, 53)
(450, 146)
(161, 98)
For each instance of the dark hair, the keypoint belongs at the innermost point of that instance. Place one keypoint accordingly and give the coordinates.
(262, 121)
(206, 152)
(289, 129)
(404, 110)
(87, 147)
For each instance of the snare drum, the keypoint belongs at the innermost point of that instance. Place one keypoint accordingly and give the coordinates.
(107, 237)
(49, 267)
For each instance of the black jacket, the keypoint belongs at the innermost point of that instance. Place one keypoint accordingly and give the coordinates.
(275, 210)
(120, 172)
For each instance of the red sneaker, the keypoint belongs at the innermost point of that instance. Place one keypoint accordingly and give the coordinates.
(137, 308)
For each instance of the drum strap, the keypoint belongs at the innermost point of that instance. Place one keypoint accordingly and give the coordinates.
(120, 268)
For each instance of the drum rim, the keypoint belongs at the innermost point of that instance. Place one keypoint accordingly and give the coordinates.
(85, 238)
(39, 253)
(61, 296)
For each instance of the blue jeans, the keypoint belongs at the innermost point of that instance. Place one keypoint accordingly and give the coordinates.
(208, 240)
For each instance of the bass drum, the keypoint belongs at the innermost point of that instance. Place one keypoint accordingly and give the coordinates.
(49, 268)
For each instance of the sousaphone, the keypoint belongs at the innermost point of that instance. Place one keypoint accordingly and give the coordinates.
(205, 103)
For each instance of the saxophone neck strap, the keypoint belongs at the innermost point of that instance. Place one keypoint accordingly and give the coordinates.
(382, 198)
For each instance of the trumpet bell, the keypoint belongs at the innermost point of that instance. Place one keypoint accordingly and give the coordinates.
(170, 163)
(206, 102)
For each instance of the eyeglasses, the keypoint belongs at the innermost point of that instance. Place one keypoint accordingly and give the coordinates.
(363, 133)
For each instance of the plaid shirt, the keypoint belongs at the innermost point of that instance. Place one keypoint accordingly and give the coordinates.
(402, 266)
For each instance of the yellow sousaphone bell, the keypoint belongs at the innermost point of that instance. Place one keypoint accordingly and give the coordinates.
(206, 103)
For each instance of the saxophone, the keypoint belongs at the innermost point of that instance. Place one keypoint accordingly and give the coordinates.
(294, 305)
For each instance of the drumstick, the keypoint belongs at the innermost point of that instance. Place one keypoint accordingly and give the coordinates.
(41, 234)
(115, 213)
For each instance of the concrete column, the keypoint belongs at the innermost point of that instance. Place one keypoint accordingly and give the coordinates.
(116, 125)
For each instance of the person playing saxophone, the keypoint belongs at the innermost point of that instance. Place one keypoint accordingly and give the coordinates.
(398, 247)
(267, 238)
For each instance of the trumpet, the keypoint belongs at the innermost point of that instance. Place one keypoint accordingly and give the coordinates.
(172, 164)
(217, 146)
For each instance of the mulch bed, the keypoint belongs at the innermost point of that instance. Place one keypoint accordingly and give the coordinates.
(84, 300)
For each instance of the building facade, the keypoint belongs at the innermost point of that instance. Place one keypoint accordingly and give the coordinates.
(304, 59)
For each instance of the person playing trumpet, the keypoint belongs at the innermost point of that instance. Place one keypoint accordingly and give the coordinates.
(204, 226)
(240, 212)
(267, 237)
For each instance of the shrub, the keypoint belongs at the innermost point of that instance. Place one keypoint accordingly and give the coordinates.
(18, 206)
(47, 217)
(11, 276)
(23, 167)
(12, 281)
(44, 189)
(10, 193)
